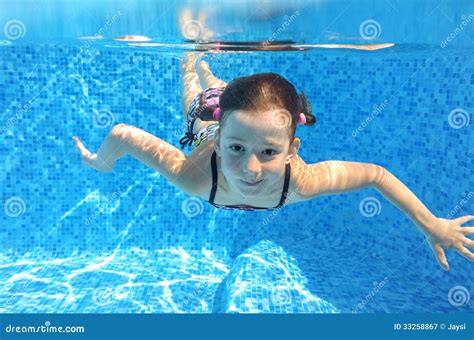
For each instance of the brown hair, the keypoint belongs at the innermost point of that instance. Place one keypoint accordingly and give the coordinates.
(265, 91)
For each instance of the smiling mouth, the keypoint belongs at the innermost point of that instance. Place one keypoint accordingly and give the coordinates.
(252, 184)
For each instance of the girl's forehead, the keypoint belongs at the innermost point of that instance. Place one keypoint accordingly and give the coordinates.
(274, 119)
(251, 126)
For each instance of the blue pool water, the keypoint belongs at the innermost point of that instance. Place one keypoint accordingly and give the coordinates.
(76, 240)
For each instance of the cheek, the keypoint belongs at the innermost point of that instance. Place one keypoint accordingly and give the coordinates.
(272, 173)
(229, 165)
(275, 169)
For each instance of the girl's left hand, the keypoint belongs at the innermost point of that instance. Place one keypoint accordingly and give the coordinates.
(444, 234)
(92, 159)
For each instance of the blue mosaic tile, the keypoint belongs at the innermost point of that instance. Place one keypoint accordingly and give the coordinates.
(264, 279)
(71, 218)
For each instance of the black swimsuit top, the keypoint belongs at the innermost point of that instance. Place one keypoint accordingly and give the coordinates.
(243, 206)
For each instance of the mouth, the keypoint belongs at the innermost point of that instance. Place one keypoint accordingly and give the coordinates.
(252, 184)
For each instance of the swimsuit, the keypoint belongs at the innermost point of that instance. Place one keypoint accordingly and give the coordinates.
(202, 107)
(243, 206)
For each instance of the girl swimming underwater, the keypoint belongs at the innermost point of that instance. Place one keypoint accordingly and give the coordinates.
(245, 154)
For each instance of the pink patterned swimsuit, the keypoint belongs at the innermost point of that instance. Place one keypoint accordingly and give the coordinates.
(202, 107)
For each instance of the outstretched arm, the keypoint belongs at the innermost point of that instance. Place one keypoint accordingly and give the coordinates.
(156, 153)
(332, 177)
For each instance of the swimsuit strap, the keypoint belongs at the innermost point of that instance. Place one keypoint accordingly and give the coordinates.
(214, 178)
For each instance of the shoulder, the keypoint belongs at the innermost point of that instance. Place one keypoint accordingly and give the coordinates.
(299, 169)
(199, 172)
(304, 179)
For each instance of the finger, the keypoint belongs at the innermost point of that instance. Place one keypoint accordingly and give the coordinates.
(468, 242)
(463, 219)
(82, 149)
(466, 253)
(79, 144)
(467, 230)
(441, 257)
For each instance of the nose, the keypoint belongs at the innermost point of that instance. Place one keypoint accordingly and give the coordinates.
(251, 167)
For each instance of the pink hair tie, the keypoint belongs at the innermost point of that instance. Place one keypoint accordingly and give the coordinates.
(212, 101)
(301, 119)
(216, 114)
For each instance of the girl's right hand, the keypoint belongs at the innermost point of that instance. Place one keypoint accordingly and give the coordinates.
(91, 159)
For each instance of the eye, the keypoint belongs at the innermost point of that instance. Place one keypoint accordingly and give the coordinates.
(235, 146)
(270, 152)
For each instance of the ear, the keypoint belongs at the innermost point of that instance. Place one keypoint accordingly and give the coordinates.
(293, 151)
(217, 142)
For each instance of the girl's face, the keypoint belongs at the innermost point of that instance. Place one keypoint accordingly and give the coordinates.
(254, 149)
